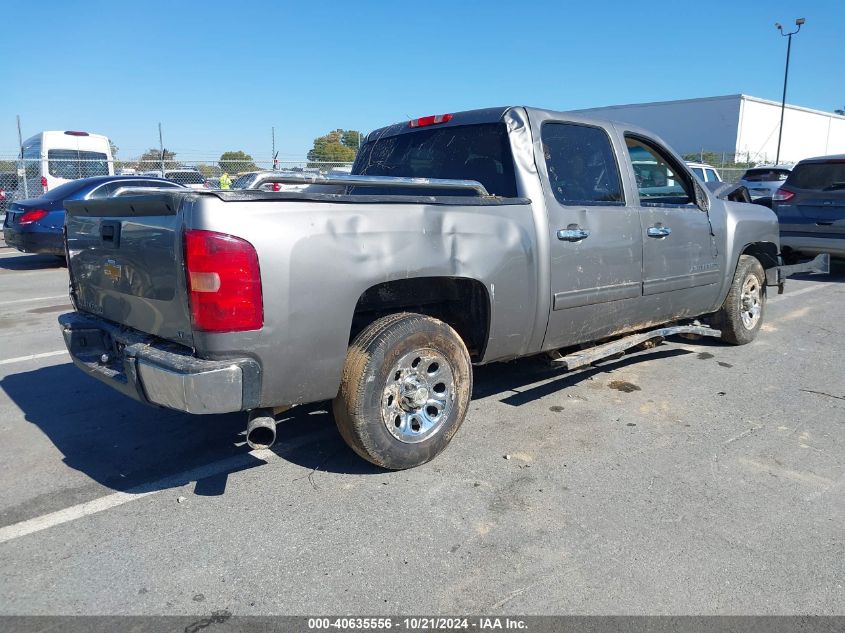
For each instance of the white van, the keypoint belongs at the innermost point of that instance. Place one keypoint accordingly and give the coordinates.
(52, 158)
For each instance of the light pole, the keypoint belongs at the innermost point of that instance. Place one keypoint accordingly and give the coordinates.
(778, 26)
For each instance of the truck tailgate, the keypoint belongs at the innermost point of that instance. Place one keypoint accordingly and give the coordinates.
(125, 262)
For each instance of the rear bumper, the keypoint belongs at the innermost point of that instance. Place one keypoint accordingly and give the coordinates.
(35, 242)
(812, 245)
(157, 372)
(776, 276)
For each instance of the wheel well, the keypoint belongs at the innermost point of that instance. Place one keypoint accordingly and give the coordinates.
(765, 252)
(462, 303)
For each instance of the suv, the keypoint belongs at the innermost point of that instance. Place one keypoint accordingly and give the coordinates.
(762, 182)
(811, 207)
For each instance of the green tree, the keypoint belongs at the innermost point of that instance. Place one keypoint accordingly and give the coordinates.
(8, 166)
(339, 146)
(233, 162)
(153, 158)
(352, 138)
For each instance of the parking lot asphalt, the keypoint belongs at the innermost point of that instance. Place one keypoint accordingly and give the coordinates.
(695, 478)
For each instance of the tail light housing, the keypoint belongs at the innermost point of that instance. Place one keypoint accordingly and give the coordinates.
(783, 195)
(33, 215)
(2, 193)
(224, 282)
(277, 186)
(44, 183)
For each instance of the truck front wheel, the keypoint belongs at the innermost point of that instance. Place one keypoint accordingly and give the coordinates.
(405, 390)
(741, 316)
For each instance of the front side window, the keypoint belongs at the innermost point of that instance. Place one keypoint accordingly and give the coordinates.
(581, 165)
(70, 164)
(659, 181)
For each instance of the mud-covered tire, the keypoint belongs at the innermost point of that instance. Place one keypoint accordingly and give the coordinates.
(741, 315)
(429, 399)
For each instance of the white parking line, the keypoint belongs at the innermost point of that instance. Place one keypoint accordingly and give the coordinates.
(37, 524)
(35, 299)
(20, 359)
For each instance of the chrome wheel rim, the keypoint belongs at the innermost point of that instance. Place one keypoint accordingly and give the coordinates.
(751, 302)
(418, 396)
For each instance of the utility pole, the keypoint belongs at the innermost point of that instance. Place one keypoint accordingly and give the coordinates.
(778, 26)
(161, 148)
(273, 150)
(23, 163)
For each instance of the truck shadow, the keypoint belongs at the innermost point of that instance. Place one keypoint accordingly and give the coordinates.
(126, 446)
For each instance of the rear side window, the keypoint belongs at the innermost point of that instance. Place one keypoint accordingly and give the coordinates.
(698, 171)
(766, 175)
(711, 175)
(468, 152)
(818, 176)
(581, 166)
(71, 164)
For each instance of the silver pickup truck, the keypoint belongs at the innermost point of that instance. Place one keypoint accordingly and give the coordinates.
(459, 239)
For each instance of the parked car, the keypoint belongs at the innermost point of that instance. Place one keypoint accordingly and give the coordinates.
(707, 173)
(35, 225)
(191, 178)
(810, 206)
(275, 181)
(763, 181)
(455, 244)
(8, 189)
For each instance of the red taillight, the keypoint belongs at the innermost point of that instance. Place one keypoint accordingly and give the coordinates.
(224, 282)
(2, 194)
(44, 183)
(782, 195)
(32, 216)
(434, 119)
(277, 186)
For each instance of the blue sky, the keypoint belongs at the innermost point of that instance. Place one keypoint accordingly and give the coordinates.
(219, 75)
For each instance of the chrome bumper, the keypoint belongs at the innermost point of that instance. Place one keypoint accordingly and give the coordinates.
(158, 372)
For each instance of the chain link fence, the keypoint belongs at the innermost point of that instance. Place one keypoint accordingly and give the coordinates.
(28, 178)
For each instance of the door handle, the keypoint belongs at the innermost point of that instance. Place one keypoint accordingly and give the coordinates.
(573, 234)
(659, 231)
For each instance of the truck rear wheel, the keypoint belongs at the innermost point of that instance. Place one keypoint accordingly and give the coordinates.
(405, 390)
(741, 316)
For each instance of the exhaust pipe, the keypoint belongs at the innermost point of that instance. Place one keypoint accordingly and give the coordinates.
(261, 429)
